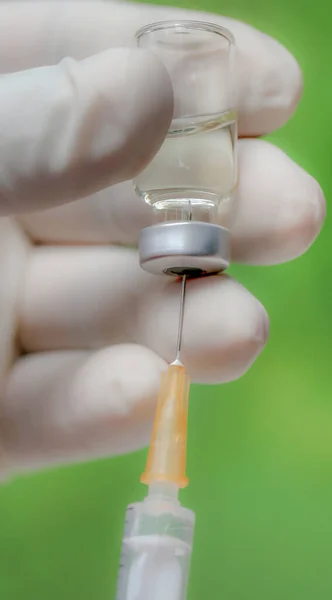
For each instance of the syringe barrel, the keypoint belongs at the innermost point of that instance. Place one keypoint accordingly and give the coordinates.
(156, 550)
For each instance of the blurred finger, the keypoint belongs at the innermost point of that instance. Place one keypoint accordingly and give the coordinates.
(82, 127)
(268, 80)
(92, 297)
(14, 256)
(279, 209)
(70, 406)
(279, 212)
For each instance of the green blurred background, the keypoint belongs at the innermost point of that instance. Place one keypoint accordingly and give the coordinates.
(261, 472)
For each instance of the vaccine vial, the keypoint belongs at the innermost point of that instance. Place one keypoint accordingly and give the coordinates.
(190, 182)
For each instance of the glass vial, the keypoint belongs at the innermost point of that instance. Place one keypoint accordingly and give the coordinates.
(192, 177)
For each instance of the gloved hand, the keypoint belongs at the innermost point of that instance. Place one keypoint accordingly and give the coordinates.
(84, 332)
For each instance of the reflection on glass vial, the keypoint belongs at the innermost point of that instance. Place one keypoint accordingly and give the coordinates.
(193, 175)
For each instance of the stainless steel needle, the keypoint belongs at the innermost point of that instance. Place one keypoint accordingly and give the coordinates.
(183, 295)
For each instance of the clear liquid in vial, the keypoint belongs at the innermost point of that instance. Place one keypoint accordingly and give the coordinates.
(194, 173)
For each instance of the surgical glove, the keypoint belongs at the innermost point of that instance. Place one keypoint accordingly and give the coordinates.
(85, 333)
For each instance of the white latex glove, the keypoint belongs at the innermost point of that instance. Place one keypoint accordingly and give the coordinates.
(95, 330)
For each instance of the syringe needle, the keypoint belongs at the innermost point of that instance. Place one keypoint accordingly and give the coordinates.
(179, 340)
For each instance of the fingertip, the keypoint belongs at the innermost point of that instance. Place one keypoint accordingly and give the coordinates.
(280, 208)
(86, 125)
(75, 405)
(224, 327)
(151, 109)
(121, 379)
(228, 337)
(302, 219)
(138, 107)
(268, 100)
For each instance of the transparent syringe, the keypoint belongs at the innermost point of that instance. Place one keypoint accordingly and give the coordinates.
(158, 535)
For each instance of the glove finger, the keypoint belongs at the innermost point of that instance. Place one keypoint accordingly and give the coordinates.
(87, 298)
(268, 80)
(82, 126)
(69, 406)
(280, 210)
(14, 257)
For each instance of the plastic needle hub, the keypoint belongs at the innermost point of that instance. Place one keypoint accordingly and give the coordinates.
(167, 454)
